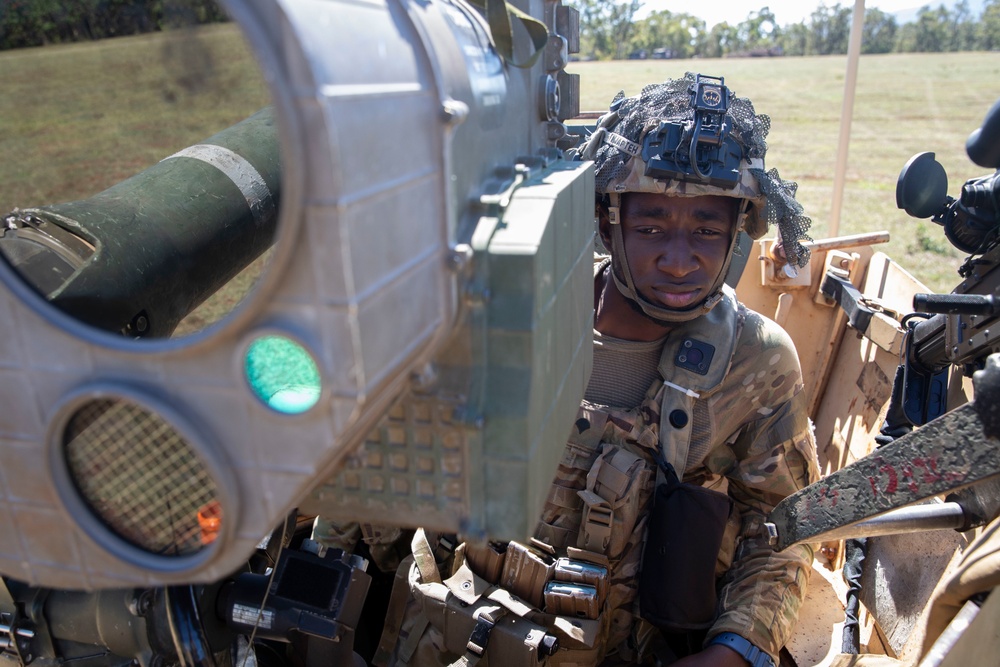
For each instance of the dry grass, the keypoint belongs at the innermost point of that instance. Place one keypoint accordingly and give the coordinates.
(79, 118)
(905, 104)
(75, 119)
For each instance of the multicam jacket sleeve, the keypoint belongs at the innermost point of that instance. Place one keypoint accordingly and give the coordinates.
(770, 454)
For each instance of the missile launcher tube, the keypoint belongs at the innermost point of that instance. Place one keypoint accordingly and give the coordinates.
(163, 240)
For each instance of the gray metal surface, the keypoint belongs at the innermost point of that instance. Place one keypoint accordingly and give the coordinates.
(948, 453)
(394, 119)
(936, 516)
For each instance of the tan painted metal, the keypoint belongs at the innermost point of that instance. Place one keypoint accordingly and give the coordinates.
(848, 378)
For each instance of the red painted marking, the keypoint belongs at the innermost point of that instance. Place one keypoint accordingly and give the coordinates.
(929, 466)
(871, 480)
(909, 479)
(893, 484)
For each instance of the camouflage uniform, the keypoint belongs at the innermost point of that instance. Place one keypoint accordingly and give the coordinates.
(749, 434)
(732, 420)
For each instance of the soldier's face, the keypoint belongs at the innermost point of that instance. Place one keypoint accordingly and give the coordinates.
(676, 247)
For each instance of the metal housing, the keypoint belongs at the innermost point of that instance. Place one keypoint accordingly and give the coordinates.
(395, 119)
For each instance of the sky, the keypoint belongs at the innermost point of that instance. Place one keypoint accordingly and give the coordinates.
(785, 11)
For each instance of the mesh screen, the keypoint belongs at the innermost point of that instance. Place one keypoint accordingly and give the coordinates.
(141, 478)
(672, 100)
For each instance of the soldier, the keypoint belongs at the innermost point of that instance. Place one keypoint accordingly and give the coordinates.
(650, 547)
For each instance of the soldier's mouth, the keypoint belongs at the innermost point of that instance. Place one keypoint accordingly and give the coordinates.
(675, 298)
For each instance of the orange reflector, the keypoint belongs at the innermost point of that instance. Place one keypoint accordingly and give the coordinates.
(210, 520)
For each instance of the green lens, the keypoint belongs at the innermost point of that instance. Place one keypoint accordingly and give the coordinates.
(282, 374)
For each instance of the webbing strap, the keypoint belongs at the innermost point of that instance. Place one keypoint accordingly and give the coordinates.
(564, 496)
(486, 618)
(612, 479)
(394, 614)
(409, 645)
(423, 555)
(498, 14)
(598, 517)
(504, 598)
(553, 534)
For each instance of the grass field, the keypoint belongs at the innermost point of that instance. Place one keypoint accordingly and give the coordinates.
(75, 119)
(905, 104)
(79, 118)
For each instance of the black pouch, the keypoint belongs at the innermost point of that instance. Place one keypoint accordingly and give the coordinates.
(677, 581)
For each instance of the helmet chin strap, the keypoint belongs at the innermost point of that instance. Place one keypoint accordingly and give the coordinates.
(627, 287)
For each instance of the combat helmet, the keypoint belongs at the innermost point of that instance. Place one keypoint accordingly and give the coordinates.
(689, 137)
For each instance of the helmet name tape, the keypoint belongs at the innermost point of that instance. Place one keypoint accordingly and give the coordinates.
(622, 144)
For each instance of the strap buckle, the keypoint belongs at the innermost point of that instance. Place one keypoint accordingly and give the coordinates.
(598, 518)
(480, 636)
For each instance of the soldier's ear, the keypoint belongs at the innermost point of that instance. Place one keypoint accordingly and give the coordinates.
(604, 224)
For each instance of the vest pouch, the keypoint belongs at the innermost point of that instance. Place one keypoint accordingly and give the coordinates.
(486, 560)
(470, 630)
(617, 486)
(485, 627)
(677, 580)
(525, 572)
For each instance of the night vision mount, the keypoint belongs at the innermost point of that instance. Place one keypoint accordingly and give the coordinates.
(972, 222)
(700, 149)
(960, 328)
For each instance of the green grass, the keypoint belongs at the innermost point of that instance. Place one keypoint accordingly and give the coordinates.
(905, 104)
(76, 119)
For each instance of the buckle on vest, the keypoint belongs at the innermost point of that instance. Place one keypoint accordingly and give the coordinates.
(480, 636)
(598, 517)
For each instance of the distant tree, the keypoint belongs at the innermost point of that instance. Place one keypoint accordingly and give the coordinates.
(794, 39)
(879, 34)
(759, 31)
(989, 26)
(26, 23)
(932, 30)
(963, 28)
(906, 38)
(606, 26)
(721, 39)
(830, 30)
(677, 32)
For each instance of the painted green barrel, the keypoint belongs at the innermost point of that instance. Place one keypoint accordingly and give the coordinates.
(140, 256)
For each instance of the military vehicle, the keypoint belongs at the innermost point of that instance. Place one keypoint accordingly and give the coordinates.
(416, 338)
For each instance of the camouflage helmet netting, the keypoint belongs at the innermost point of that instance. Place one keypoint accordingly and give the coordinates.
(632, 117)
(782, 209)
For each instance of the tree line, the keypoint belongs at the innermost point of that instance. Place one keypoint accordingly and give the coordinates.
(609, 30)
(26, 23)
